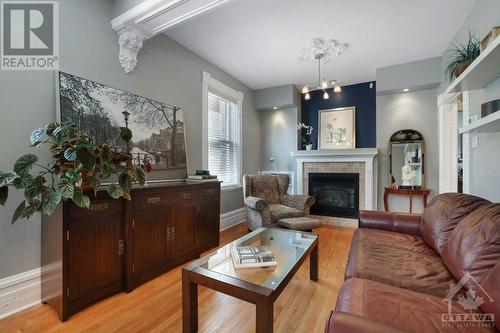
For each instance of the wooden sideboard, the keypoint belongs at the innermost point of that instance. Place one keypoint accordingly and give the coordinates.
(116, 245)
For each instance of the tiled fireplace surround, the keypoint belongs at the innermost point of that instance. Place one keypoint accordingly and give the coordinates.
(361, 160)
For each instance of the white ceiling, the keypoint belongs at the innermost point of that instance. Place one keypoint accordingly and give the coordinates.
(257, 41)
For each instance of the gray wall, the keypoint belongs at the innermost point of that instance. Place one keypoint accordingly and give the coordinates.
(414, 110)
(279, 137)
(485, 159)
(88, 47)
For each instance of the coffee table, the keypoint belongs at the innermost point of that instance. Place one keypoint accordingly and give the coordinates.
(260, 286)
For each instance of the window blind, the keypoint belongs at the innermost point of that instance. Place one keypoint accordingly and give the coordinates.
(223, 139)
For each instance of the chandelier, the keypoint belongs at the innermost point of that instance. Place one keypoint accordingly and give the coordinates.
(322, 51)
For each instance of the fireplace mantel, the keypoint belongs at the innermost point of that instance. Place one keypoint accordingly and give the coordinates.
(360, 155)
(336, 152)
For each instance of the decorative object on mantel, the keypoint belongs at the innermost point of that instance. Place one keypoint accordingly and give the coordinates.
(322, 51)
(490, 36)
(305, 135)
(77, 164)
(337, 128)
(462, 57)
(159, 135)
(490, 107)
(406, 155)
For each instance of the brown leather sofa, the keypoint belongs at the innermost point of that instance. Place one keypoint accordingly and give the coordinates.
(402, 267)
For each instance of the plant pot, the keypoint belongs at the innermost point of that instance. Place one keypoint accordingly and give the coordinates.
(309, 147)
(461, 68)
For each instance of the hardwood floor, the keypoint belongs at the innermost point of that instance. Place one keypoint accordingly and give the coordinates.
(156, 306)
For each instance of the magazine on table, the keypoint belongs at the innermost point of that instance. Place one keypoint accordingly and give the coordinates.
(253, 256)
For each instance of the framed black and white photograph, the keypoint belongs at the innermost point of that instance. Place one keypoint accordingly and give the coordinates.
(337, 128)
(100, 111)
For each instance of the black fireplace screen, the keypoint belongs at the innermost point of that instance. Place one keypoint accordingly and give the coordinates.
(336, 194)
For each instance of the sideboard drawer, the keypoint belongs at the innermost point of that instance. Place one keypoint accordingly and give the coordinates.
(96, 208)
(210, 192)
(164, 199)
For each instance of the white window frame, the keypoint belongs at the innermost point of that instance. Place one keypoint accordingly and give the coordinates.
(210, 84)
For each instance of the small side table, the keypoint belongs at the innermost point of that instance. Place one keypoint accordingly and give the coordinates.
(410, 193)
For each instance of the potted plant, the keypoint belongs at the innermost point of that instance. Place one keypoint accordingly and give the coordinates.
(462, 57)
(305, 134)
(77, 165)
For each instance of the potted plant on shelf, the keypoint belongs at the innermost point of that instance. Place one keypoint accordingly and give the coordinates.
(462, 57)
(305, 134)
(77, 165)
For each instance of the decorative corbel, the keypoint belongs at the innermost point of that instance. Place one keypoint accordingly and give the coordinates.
(130, 41)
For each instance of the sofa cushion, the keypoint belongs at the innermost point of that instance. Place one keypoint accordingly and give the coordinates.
(405, 309)
(279, 212)
(474, 245)
(443, 214)
(490, 292)
(265, 187)
(398, 260)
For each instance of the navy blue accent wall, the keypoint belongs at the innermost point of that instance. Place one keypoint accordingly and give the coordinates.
(359, 95)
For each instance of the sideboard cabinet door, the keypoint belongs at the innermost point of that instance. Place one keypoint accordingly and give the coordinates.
(182, 231)
(95, 253)
(209, 223)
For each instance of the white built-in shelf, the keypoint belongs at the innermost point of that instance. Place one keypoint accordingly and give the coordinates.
(481, 72)
(490, 123)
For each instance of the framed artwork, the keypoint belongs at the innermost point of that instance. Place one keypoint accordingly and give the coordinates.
(157, 128)
(337, 128)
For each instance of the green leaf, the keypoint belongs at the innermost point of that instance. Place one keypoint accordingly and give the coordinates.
(28, 211)
(81, 200)
(6, 178)
(65, 188)
(70, 154)
(115, 191)
(51, 202)
(124, 181)
(34, 189)
(105, 171)
(86, 158)
(140, 175)
(105, 154)
(18, 213)
(36, 136)
(93, 182)
(25, 163)
(23, 181)
(4, 194)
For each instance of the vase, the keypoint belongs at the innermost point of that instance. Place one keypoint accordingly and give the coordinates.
(309, 147)
(461, 68)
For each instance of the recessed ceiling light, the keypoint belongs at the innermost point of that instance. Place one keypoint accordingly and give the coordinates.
(275, 108)
(406, 90)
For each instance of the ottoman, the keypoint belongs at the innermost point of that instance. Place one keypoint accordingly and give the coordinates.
(304, 223)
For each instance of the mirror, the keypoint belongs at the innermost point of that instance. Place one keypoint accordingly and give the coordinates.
(406, 148)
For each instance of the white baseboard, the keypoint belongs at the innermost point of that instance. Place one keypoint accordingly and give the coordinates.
(231, 218)
(19, 292)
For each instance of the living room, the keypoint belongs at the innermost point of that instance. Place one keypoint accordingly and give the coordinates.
(351, 147)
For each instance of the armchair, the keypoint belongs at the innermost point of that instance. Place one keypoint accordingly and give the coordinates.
(267, 201)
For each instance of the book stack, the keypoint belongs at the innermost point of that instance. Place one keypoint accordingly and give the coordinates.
(202, 176)
(253, 256)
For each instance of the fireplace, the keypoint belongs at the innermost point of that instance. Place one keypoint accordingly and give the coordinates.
(336, 194)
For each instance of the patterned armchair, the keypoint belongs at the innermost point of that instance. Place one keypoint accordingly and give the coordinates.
(267, 201)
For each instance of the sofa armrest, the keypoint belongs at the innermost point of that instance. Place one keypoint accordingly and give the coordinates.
(397, 222)
(342, 322)
(300, 202)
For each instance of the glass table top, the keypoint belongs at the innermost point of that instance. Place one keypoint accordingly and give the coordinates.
(288, 248)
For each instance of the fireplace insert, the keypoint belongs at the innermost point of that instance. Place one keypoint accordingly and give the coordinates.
(336, 194)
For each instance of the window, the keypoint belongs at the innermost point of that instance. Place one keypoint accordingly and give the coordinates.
(222, 127)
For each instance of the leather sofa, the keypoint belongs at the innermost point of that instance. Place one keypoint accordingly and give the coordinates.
(416, 273)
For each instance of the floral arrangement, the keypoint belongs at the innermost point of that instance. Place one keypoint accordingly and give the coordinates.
(305, 131)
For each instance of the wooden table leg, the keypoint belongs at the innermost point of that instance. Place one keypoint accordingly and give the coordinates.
(386, 203)
(313, 264)
(189, 304)
(425, 199)
(264, 318)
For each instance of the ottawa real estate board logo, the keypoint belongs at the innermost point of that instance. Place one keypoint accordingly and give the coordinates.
(29, 35)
